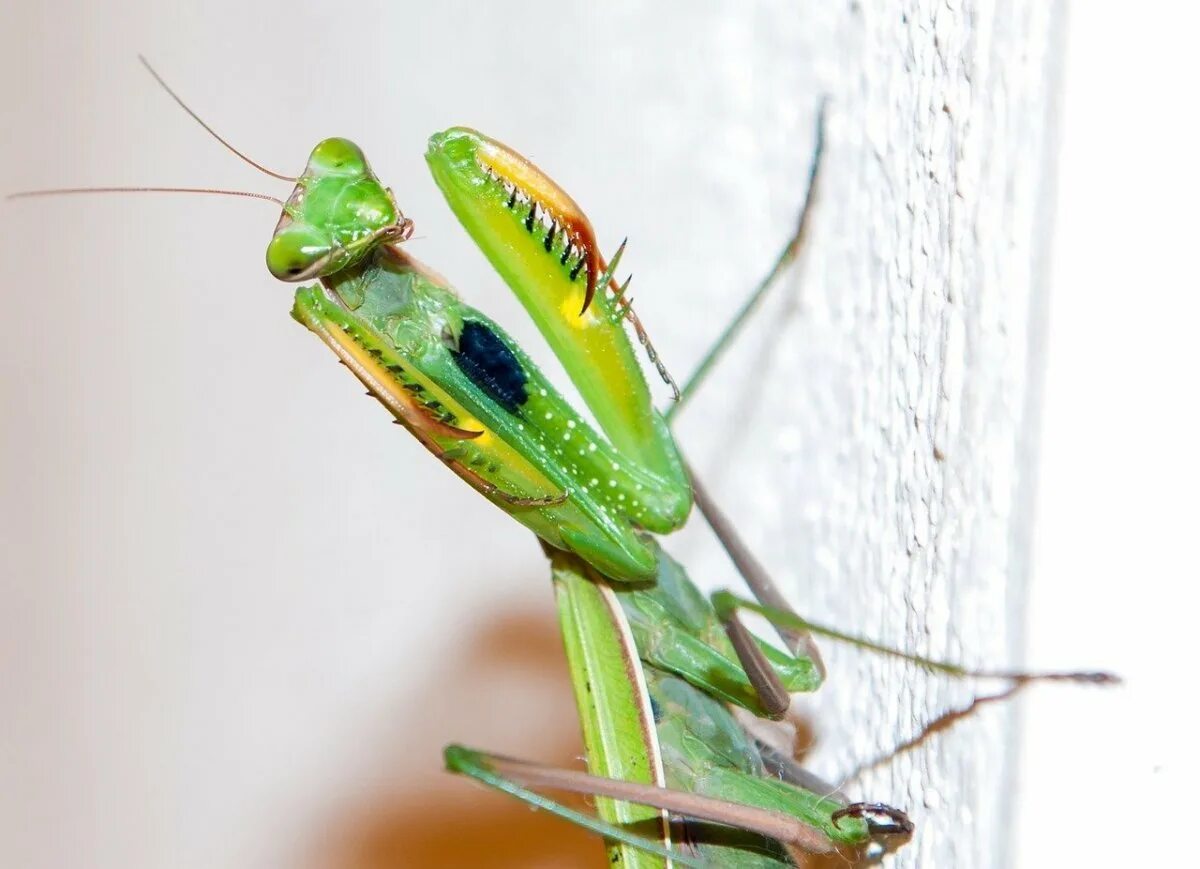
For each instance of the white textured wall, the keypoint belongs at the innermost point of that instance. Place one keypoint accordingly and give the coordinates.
(887, 404)
(241, 613)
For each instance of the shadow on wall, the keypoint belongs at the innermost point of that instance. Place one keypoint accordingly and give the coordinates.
(456, 830)
(508, 690)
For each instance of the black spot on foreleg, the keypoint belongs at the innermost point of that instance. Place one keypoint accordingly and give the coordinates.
(489, 363)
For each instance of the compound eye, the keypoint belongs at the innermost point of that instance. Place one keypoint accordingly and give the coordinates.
(370, 205)
(297, 253)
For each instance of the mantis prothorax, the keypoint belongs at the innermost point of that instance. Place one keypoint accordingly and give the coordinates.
(655, 664)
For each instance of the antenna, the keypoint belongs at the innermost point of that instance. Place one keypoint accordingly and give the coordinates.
(158, 78)
(69, 191)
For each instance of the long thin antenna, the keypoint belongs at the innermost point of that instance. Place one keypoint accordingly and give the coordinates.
(158, 78)
(68, 191)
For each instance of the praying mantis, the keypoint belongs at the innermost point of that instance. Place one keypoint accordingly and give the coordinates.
(469, 394)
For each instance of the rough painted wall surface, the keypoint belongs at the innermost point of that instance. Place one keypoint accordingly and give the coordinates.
(251, 612)
(888, 399)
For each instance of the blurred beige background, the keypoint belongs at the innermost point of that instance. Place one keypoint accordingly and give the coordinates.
(241, 614)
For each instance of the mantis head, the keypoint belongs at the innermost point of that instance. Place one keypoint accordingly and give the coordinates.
(337, 214)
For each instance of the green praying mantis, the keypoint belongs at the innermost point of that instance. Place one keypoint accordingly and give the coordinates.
(468, 392)
(657, 667)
